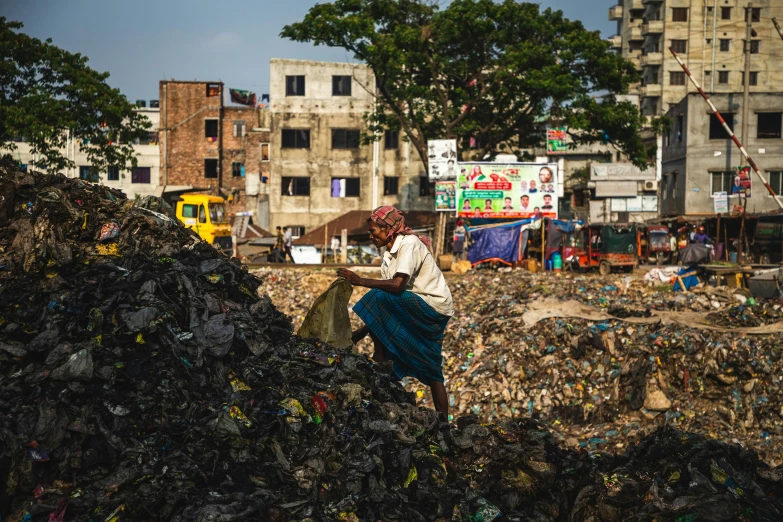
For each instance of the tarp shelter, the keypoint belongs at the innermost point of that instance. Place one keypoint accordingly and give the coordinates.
(503, 242)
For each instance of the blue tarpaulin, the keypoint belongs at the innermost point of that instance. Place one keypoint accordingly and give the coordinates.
(502, 243)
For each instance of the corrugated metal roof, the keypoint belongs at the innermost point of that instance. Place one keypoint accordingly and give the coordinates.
(355, 222)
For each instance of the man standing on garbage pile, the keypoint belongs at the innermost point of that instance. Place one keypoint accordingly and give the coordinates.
(406, 311)
(458, 244)
(288, 244)
(674, 247)
(278, 251)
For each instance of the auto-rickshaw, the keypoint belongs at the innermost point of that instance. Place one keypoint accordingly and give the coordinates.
(608, 246)
(653, 241)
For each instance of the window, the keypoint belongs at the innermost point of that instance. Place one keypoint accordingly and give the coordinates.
(755, 14)
(674, 185)
(754, 46)
(189, 211)
(391, 140)
(341, 85)
(211, 128)
(680, 127)
(677, 78)
(86, 175)
(113, 174)
(213, 90)
(345, 138)
(296, 138)
(140, 175)
(391, 186)
(264, 152)
(769, 126)
(239, 128)
(721, 182)
(679, 14)
(776, 181)
(346, 187)
(665, 186)
(680, 46)
(753, 78)
(237, 169)
(723, 76)
(294, 85)
(425, 187)
(724, 45)
(295, 186)
(717, 132)
(210, 168)
(725, 13)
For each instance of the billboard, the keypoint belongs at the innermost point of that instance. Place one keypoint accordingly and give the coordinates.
(556, 140)
(506, 190)
(442, 159)
(446, 195)
(742, 182)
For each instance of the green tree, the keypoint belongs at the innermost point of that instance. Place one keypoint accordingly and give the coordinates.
(47, 92)
(498, 72)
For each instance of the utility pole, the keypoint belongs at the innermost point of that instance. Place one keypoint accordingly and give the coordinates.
(746, 96)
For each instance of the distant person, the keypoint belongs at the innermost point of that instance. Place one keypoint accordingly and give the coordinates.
(507, 205)
(488, 206)
(537, 213)
(673, 247)
(335, 247)
(524, 203)
(545, 175)
(288, 244)
(532, 187)
(547, 202)
(458, 244)
(701, 237)
(278, 250)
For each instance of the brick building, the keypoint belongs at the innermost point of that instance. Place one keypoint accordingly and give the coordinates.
(208, 145)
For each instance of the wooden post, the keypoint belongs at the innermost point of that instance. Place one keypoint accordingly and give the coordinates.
(344, 243)
(717, 234)
(726, 240)
(326, 243)
(543, 244)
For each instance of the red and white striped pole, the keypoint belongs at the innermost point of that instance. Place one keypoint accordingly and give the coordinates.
(777, 26)
(728, 129)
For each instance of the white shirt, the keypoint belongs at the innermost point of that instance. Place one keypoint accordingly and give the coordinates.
(409, 256)
(288, 239)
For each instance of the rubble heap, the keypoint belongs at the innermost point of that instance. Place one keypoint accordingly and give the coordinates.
(143, 378)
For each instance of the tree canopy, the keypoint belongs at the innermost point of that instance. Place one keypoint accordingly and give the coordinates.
(46, 92)
(496, 72)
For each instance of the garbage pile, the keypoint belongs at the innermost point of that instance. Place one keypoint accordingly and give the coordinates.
(143, 378)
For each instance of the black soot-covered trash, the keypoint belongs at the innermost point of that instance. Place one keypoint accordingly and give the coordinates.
(143, 378)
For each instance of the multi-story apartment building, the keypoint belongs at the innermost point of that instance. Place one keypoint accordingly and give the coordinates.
(709, 35)
(141, 180)
(319, 167)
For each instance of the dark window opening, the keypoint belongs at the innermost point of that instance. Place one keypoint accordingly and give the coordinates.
(679, 128)
(717, 132)
(679, 14)
(677, 78)
(210, 129)
(294, 85)
(680, 46)
(724, 45)
(769, 125)
(345, 138)
(722, 182)
(725, 13)
(237, 169)
(753, 78)
(210, 168)
(341, 85)
(86, 174)
(140, 175)
(776, 181)
(391, 140)
(296, 138)
(755, 45)
(113, 174)
(723, 76)
(426, 188)
(346, 187)
(213, 90)
(295, 186)
(755, 14)
(391, 186)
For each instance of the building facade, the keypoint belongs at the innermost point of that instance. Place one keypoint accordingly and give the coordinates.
(320, 166)
(699, 159)
(139, 181)
(708, 35)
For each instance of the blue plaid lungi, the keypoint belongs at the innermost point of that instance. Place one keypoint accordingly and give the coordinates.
(409, 329)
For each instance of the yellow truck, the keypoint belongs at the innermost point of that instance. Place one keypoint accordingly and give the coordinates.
(207, 216)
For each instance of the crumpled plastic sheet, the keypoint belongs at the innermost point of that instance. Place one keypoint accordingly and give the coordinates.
(153, 418)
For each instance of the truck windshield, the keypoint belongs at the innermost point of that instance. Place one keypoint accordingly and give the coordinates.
(217, 213)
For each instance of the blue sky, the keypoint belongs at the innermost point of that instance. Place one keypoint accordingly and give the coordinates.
(144, 41)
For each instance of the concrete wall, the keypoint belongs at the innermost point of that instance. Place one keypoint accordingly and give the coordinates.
(320, 112)
(696, 157)
(147, 155)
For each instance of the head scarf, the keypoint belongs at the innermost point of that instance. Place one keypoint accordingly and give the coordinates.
(388, 216)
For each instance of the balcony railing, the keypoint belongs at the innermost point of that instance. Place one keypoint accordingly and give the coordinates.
(652, 27)
(651, 59)
(651, 90)
(616, 12)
